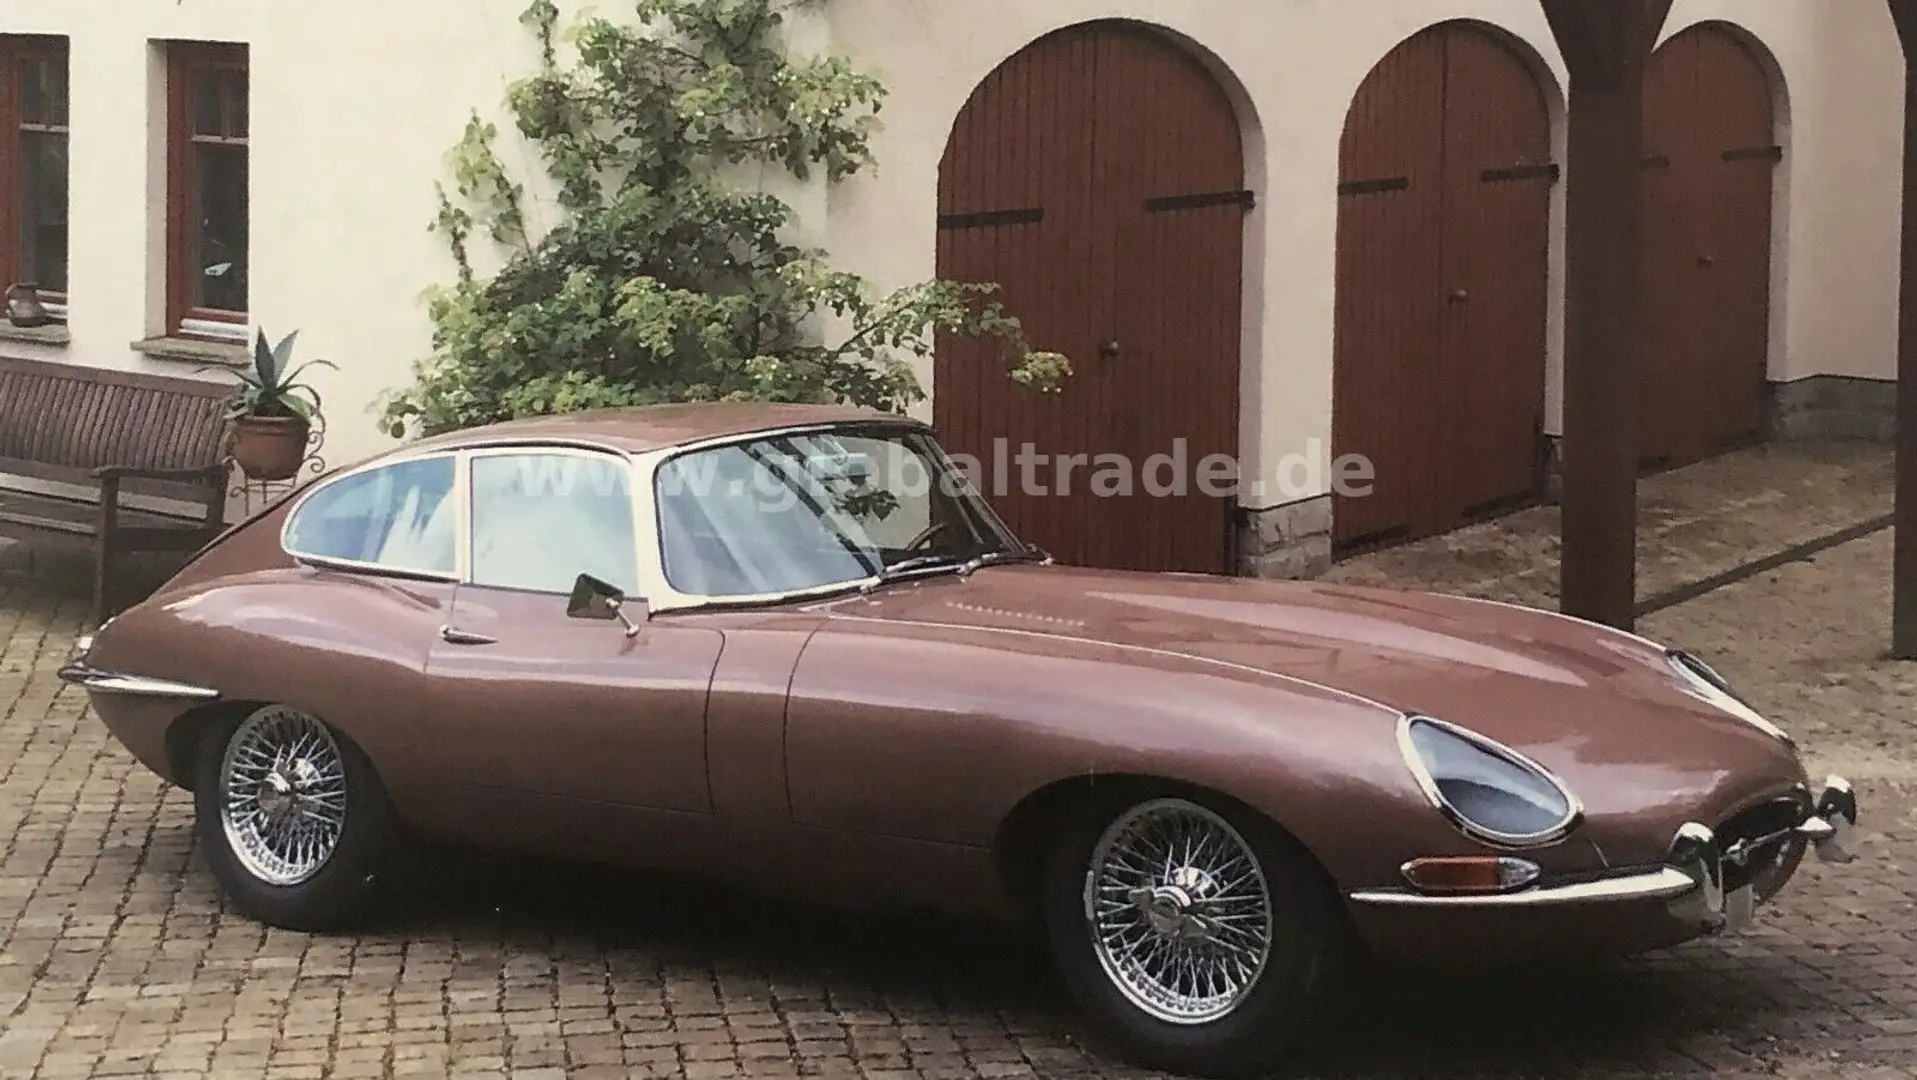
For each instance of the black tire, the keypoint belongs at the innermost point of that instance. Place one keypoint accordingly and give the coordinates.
(355, 881)
(1308, 948)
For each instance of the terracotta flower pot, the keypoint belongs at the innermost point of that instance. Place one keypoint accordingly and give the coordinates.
(270, 447)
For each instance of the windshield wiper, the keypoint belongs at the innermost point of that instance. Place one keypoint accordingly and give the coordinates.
(964, 567)
(905, 568)
(992, 558)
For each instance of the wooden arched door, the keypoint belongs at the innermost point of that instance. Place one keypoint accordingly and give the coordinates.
(1710, 150)
(1445, 174)
(1097, 177)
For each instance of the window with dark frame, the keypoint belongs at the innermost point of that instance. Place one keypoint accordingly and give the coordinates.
(207, 107)
(33, 166)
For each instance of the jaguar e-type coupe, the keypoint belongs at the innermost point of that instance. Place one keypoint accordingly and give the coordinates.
(795, 646)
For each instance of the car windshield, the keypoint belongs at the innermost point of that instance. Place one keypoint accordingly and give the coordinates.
(790, 513)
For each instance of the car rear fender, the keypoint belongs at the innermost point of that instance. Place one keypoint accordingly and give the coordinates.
(350, 649)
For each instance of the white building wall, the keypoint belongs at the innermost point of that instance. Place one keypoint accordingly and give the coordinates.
(356, 102)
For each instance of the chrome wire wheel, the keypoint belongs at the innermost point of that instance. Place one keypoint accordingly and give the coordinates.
(1179, 911)
(283, 794)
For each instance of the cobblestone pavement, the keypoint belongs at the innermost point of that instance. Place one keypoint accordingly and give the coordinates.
(117, 959)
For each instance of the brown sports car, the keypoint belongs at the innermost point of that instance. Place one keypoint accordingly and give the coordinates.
(792, 644)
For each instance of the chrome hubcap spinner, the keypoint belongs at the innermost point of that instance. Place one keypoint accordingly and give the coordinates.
(283, 795)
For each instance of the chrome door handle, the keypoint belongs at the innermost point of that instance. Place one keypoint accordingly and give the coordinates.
(455, 636)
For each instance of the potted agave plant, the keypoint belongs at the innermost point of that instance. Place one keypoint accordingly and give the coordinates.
(274, 412)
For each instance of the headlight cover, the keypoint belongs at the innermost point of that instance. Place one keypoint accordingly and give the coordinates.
(1704, 682)
(1489, 791)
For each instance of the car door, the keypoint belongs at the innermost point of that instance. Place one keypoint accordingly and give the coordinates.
(546, 711)
(379, 549)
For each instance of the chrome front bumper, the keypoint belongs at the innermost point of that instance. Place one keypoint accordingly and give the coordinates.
(80, 674)
(1690, 880)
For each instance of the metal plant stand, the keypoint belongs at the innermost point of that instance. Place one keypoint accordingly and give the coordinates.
(249, 496)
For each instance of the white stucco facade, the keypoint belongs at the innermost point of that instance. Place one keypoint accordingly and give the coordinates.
(355, 103)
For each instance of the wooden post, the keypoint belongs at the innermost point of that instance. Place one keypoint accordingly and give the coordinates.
(1605, 44)
(1903, 577)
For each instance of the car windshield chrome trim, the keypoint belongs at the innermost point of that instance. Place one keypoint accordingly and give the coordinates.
(1690, 879)
(114, 682)
(660, 594)
(1428, 784)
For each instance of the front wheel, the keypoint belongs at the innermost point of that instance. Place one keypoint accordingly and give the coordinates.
(1198, 938)
(293, 820)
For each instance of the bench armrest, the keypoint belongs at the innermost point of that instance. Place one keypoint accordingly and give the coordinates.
(118, 472)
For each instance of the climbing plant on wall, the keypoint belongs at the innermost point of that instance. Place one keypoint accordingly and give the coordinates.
(671, 275)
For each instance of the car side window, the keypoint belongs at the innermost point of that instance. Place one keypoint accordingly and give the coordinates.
(542, 519)
(396, 517)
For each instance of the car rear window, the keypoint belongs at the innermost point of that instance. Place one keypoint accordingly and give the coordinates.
(394, 517)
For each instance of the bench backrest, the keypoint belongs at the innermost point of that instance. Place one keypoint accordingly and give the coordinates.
(61, 421)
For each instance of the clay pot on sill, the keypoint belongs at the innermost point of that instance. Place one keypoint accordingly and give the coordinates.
(270, 447)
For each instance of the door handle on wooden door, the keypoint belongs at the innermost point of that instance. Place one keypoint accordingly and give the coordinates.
(455, 636)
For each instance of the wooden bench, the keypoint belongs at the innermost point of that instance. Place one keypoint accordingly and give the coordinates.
(110, 433)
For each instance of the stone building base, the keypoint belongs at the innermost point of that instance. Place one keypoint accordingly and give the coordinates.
(1291, 541)
(1833, 407)
(1819, 407)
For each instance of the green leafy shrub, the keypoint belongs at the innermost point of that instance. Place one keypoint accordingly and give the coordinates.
(666, 281)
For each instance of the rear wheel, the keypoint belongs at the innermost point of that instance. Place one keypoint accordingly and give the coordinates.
(293, 820)
(1199, 937)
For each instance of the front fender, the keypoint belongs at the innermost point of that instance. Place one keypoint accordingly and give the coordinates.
(937, 734)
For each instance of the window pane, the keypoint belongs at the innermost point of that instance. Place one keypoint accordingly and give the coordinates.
(208, 92)
(60, 116)
(33, 94)
(541, 520)
(236, 104)
(218, 237)
(397, 517)
(43, 92)
(43, 210)
(801, 512)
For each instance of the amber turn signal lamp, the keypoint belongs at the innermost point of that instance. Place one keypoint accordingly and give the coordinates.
(1469, 874)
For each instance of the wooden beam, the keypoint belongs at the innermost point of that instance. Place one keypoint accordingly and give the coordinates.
(1903, 588)
(1605, 44)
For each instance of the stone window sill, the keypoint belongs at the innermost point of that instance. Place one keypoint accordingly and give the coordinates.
(52, 334)
(193, 350)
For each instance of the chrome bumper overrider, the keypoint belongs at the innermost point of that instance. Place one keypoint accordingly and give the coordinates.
(1691, 878)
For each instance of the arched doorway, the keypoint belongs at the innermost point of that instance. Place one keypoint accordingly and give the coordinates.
(1710, 149)
(1444, 192)
(1097, 177)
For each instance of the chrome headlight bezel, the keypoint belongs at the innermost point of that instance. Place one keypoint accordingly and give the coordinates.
(1421, 772)
(1703, 681)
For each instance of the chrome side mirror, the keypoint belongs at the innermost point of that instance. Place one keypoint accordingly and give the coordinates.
(595, 599)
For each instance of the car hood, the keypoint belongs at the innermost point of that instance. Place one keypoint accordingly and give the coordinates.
(1599, 707)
